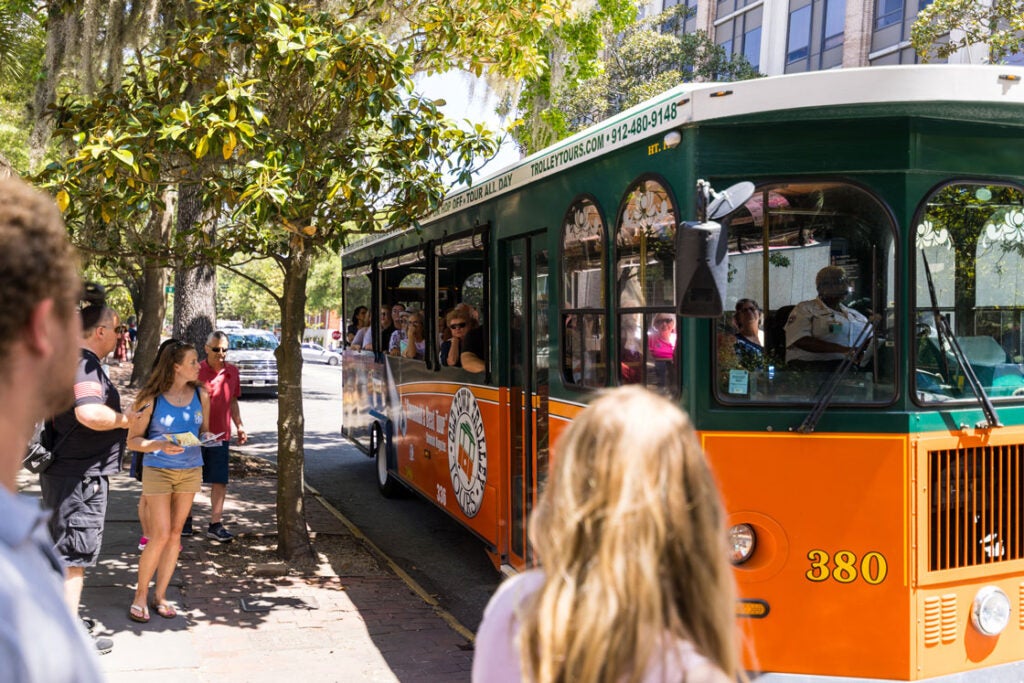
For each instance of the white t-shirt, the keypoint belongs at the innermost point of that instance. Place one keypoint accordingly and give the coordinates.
(364, 338)
(814, 319)
(496, 656)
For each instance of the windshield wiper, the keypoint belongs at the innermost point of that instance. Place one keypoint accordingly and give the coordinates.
(828, 389)
(943, 330)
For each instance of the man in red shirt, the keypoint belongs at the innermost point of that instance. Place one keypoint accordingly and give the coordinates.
(221, 381)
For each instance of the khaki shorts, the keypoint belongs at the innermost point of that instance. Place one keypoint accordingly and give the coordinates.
(157, 480)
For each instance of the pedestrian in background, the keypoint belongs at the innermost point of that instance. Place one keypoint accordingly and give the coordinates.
(121, 346)
(177, 409)
(634, 583)
(89, 439)
(224, 387)
(40, 639)
(133, 335)
(137, 458)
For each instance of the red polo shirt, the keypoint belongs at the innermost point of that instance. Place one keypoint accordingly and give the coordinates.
(222, 386)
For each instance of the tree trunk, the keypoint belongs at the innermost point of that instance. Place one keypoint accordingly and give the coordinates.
(46, 88)
(195, 289)
(153, 305)
(293, 536)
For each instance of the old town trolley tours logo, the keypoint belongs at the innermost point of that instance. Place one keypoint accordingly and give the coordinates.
(467, 451)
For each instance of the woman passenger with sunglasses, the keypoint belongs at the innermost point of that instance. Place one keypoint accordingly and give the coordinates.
(459, 322)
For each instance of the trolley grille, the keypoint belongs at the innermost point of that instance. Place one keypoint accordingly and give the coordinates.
(977, 496)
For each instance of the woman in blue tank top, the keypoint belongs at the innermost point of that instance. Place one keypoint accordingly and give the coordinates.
(177, 409)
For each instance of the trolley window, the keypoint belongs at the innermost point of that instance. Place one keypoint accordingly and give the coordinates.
(973, 237)
(584, 321)
(645, 281)
(810, 283)
(460, 299)
(404, 281)
(355, 295)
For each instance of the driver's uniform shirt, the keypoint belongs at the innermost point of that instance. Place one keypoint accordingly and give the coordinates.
(815, 319)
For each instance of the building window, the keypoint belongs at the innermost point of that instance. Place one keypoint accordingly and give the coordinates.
(742, 35)
(888, 12)
(835, 23)
(752, 46)
(799, 34)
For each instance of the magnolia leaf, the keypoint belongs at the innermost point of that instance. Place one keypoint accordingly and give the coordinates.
(125, 157)
(63, 201)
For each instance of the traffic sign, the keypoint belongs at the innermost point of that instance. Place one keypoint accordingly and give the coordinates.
(336, 335)
(169, 289)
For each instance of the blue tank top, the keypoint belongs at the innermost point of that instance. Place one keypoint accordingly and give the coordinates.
(170, 419)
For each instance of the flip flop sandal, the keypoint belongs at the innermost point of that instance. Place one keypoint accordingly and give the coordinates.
(164, 609)
(138, 613)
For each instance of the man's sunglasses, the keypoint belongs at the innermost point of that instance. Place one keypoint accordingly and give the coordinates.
(217, 349)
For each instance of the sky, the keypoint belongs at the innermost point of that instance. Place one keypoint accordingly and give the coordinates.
(468, 97)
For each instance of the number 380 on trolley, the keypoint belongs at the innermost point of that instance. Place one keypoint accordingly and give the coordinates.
(826, 270)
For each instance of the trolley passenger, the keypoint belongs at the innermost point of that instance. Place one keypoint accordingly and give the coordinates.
(458, 322)
(822, 331)
(749, 344)
(415, 343)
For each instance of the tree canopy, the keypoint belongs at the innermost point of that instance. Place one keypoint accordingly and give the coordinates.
(294, 126)
(946, 26)
(605, 61)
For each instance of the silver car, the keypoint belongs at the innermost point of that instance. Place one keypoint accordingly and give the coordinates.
(314, 353)
(252, 352)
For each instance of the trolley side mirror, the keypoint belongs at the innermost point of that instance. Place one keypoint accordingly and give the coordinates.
(703, 265)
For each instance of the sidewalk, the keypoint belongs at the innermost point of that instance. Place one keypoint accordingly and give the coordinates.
(351, 619)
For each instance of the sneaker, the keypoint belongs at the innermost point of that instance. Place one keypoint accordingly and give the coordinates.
(187, 529)
(218, 533)
(142, 542)
(103, 644)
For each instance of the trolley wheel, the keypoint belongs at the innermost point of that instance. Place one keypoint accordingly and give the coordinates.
(386, 484)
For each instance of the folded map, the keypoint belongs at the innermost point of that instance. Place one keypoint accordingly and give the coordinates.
(183, 439)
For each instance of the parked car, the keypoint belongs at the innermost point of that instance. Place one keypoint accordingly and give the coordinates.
(314, 353)
(252, 351)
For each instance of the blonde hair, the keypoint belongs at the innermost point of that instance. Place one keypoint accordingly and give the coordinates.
(630, 533)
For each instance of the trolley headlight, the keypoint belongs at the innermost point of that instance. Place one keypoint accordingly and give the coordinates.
(990, 612)
(742, 541)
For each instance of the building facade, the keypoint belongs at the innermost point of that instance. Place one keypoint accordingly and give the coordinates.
(790, 36)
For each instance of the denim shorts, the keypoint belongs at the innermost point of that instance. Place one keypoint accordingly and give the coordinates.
(79, 506)
(215, 464)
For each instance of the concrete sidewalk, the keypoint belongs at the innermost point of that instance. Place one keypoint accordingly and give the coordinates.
(350, 619)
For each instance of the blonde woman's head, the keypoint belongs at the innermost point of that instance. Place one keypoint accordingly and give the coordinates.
(630, 534)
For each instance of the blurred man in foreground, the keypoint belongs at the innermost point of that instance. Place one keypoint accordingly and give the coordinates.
(39, 334)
